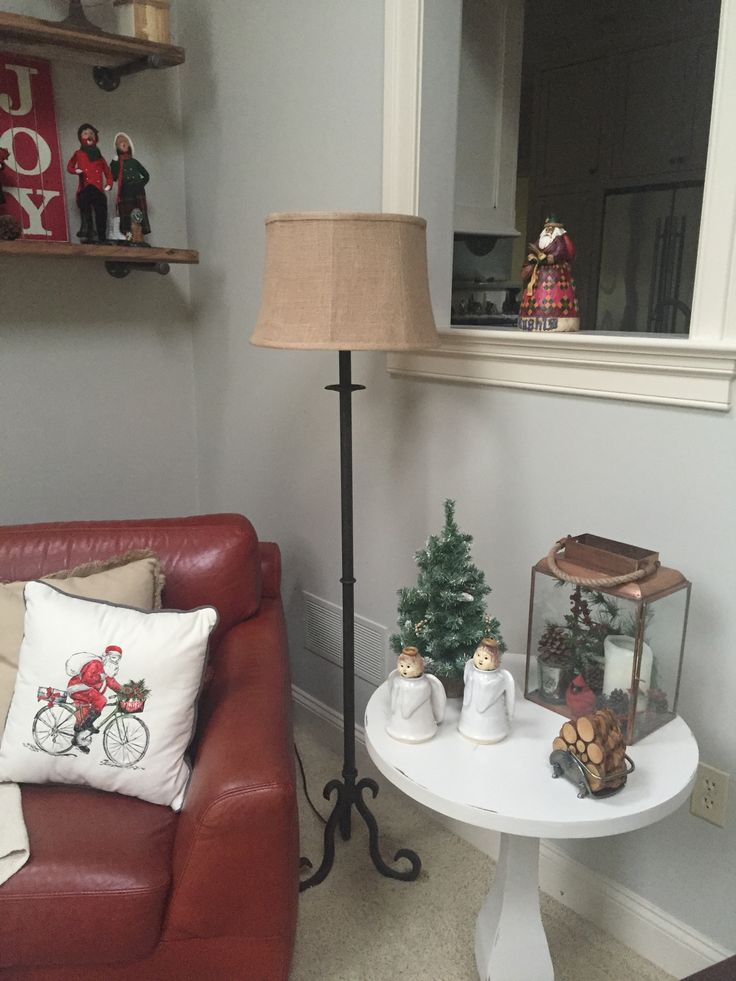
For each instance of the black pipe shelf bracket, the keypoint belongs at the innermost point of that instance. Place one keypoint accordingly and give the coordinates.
(121, 269)
(111, 56)
(108, 79)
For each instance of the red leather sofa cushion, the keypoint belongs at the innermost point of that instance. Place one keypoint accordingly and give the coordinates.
(102, 859)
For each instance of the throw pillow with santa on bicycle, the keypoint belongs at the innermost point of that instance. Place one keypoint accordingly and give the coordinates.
(73, 715)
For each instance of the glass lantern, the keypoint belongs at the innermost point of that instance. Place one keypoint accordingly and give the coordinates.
(595, 641)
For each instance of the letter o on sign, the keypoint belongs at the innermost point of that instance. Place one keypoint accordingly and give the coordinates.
(43, 151)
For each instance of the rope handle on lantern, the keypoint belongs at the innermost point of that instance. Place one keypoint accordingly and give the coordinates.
(601, 580)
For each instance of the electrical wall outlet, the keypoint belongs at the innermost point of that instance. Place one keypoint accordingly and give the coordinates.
(710, 795)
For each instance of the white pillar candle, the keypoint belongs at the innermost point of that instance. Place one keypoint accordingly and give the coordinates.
(619, 655)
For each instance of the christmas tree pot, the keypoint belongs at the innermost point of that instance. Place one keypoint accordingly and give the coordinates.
(618, 632)
(454, 687)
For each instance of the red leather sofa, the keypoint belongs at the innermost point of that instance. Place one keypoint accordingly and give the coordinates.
(119, 888)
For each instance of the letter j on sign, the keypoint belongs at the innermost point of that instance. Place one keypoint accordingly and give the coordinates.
(32, 176)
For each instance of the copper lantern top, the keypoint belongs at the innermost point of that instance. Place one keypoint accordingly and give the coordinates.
(591, 557)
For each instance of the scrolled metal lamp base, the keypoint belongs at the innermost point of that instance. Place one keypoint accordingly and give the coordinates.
(350, 794)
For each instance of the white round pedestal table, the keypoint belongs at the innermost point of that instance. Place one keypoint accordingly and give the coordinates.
(508, 787)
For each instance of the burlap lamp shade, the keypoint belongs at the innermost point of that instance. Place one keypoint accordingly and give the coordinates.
(346, 281)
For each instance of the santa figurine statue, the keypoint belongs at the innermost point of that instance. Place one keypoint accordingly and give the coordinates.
(417, 700)
(548, 300)
(489, 696)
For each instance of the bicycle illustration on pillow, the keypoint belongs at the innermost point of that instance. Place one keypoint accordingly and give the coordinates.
(72, 716)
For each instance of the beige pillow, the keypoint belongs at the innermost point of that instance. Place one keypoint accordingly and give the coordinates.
(133, 579)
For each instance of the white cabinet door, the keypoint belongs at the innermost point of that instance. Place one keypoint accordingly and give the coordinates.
(664, 110)
(569, 137)
(488, 116)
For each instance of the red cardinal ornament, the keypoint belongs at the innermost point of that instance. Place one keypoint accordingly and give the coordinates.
(580, 697)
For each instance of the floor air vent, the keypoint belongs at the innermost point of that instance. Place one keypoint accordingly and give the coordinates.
(323, 636)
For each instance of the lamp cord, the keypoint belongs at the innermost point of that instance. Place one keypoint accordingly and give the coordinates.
(304, 785)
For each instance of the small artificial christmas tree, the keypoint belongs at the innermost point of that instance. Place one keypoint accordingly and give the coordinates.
(444, 615)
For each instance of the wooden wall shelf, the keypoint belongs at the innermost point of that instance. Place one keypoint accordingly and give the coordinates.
(112, 55)
(119, 259)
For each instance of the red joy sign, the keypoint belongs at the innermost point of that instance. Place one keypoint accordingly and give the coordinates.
(31, 174)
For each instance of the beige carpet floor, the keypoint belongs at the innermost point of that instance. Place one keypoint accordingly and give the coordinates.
(358, 925)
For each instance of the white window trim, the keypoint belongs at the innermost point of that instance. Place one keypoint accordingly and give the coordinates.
(696, 371)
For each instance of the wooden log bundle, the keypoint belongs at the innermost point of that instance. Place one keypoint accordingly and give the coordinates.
(598, 743)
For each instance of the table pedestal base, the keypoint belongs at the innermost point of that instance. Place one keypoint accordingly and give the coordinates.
(510, 943)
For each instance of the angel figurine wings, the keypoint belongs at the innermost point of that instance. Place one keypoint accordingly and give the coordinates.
(417, 700)
(489, 696)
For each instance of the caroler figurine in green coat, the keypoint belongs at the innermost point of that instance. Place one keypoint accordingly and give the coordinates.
(130, 179)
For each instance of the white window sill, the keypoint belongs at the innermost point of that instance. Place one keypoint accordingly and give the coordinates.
(634, 369)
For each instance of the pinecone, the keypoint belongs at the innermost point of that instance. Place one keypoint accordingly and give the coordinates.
(657, 701)
(593, 674)
(9, 228)
(618, 702)
(553, 643)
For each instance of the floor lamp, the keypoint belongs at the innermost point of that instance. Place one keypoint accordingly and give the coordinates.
(347, 282)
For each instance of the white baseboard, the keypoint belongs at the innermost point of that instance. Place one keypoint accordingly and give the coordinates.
(632, 920)
(669, 943)
(323, 711)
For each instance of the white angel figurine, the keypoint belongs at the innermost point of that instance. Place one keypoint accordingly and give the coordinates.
(489, 696)
(417, 700)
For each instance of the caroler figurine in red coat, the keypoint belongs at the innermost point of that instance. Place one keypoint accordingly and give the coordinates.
(548, 299)
(95, 179)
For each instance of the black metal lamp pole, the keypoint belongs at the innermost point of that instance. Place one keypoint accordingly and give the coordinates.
(349, 790)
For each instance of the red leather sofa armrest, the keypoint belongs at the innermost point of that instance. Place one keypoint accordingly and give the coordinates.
(236, 853)
(270, 569)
